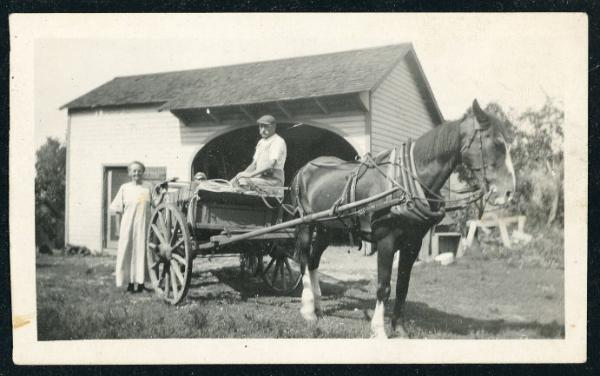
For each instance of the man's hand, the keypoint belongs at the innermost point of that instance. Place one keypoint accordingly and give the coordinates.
(244, 174)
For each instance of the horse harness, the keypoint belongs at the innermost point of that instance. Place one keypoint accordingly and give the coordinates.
(409, 201)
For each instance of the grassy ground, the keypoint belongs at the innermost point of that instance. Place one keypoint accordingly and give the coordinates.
(476, 297)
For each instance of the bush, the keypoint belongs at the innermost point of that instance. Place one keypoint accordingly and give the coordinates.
(546, 250)
(50, 169)
(536, 194)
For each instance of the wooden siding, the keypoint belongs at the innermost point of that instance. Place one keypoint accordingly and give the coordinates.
(398, 109)
(116, 137)
(352, 127)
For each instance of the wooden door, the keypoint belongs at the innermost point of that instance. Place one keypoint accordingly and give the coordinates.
(114, 177)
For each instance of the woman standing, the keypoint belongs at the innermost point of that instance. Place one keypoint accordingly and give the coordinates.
(132, 204)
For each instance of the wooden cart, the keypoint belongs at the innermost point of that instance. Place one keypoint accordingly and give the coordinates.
(187, 223)
(185, 220)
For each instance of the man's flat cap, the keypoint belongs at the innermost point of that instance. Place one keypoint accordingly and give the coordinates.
(266, 119)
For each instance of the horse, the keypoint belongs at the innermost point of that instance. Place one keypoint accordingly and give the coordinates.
(477, 140)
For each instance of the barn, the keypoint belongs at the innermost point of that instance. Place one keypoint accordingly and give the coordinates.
(343, 104)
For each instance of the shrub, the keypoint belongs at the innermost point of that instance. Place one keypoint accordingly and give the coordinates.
(50, 168)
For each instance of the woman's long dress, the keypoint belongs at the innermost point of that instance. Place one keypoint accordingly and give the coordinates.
(133, 202)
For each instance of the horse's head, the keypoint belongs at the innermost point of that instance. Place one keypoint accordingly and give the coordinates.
(486, 152)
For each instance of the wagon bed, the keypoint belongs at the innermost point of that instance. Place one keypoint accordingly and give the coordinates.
(183, 225)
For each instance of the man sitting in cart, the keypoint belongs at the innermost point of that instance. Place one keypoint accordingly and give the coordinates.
(266, 169)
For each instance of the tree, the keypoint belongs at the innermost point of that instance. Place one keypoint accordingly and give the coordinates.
(540, 148)
(50, 169)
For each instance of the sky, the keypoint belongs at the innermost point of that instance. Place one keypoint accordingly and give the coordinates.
(516, 60)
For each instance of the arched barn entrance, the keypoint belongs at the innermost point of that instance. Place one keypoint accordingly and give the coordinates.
(230, 153)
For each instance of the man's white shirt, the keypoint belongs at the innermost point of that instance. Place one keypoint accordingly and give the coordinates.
(268, 149)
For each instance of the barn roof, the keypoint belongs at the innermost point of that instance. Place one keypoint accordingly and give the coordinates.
(258, 82)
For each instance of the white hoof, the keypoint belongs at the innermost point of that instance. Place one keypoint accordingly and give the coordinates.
(309, 315)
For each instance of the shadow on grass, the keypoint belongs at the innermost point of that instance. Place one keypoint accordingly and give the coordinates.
(434, 320)
(427, 319)
(344, 296)
(251, 286)
(227, 284)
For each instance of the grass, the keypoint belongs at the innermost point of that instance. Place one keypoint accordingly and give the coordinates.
(473, 298)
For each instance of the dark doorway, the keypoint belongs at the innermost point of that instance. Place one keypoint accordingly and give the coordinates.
(114, 177)
(228, 154)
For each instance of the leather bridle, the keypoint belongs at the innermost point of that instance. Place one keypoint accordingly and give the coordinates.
(477, 131)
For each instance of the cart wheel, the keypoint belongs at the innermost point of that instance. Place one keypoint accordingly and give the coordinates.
(280, 271)
(168, 251)
(250, 264)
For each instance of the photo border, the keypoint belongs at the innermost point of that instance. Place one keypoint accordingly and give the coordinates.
(23, 349)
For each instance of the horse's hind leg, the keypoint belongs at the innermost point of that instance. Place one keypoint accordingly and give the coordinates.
(303, 244)
(385, 258)
(408, 255)
(321, 242)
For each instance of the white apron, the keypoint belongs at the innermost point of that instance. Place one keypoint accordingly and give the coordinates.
(133, 202)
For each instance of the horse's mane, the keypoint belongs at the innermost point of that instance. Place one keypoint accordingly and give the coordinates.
(441, 141)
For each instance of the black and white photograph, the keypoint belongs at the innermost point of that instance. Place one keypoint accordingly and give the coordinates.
(283, 188)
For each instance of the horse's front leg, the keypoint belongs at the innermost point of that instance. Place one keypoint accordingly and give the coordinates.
(311, 294)
(385, 258)
(408, 255)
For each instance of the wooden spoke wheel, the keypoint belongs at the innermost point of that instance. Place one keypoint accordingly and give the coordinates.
(250, 264)
(280, 271)
(168, 251)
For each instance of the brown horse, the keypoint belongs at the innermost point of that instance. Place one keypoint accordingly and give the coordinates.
(478, 141)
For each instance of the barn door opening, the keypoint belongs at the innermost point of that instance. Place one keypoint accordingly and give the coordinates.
(228, 154)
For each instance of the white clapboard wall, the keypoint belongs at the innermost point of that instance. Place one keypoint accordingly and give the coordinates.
(399, 110)
(109, 138)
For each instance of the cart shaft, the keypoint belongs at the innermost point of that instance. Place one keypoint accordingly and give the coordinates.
(225, 239)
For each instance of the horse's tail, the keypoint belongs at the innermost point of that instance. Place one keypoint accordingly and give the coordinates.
(295, 192)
